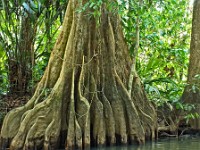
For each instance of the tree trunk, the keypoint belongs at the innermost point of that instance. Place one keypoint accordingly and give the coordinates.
(192, 93)
(20, 64)
(83, 97)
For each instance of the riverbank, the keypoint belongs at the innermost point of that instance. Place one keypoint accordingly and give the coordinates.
(169, 143)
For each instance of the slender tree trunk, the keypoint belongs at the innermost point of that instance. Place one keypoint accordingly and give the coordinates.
(20, 65)
(192, 93)
(83, 97)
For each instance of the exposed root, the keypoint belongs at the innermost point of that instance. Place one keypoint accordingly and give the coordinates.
(42, 123)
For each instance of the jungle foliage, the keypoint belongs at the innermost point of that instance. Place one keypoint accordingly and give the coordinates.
(162, 59)
(26, 22)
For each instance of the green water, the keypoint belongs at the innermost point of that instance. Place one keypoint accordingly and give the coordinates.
(192, 143)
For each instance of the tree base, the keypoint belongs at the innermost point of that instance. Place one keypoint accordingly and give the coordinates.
(84, 97)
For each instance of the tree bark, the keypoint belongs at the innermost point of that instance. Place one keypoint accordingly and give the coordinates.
(192, 93)
(20, 65)
(83, 97)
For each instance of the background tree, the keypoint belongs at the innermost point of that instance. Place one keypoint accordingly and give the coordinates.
(16, 47)
(191, 93)
(20, 45)
(83, 95)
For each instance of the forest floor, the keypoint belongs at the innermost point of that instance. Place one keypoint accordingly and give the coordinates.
(8, 102)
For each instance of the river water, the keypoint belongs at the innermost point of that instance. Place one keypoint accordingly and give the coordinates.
(185, 143)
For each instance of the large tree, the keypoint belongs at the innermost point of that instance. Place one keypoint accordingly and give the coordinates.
(192, 90)
(85, 96)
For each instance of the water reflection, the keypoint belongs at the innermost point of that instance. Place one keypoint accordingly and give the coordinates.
(191, 143)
